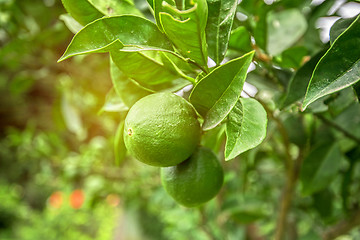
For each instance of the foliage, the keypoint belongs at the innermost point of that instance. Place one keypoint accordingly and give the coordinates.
(294, 143)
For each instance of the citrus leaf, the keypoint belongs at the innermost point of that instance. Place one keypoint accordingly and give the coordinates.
(71, 23)
(143, 68)
(247, 216)
(82, 11)
(320, 167)
(293, 57)
(112, 8)
(298, 83)
(339, 67)
(261, 27)
(186, 29)
(217, 93)
(113, 103)
(349, 120)
(119, 145)
(240, 39)
(219, 24)
(158, 7)
(284, 29)
(246, 127)
(339, 27)
(129, 33)
(128, 90)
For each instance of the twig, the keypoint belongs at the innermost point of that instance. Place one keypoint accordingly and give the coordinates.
(252, 232)
(282, 131)
(286, 199)
(203, 224)
(292, 173)
(342, 227)
(337, 127)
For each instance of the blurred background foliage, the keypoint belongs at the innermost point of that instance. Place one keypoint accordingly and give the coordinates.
(58, 178)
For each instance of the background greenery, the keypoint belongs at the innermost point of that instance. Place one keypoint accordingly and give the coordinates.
(56, 139)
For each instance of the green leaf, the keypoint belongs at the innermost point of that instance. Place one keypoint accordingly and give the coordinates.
(247, 216)
(82, 11)
(112, 8)
(339, 27)
(214, 138)
(221, 16)
(338, 68)
(356, 87)
(129, 33)
(240, 40)
(261, 28)
(349, 120)
(320, 167)
(71, 23)
(217, 93)
(246, 127)
(284, 29)
(128, 90)
(186, 29)
(323, 203)
(119, 145)
(293, 57)
(298, 83)
(143, 67)
(158, 7)
(113, 103)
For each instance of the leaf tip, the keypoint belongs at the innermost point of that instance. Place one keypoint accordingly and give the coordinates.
(207, 125)
(62, 58)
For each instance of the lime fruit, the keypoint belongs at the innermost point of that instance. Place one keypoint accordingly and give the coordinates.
(194, 181)
(161, 130)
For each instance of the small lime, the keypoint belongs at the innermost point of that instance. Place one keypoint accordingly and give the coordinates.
(194, 181)
(161, 129)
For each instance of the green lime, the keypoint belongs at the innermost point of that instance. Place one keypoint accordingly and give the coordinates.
(161, 129)
(194, 181)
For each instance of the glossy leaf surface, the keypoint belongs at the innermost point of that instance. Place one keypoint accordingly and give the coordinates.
(217, 93)
(298, 83)
(130, 33)
(142, 68)
(219, 24)
(246, 127)
(338, 68)
(128, 90)
(339, 27)
(112, 8)
(82, 11)
(186, 29)
(240, 40)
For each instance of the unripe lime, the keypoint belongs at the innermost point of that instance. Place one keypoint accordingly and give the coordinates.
(194, 181)
(161, 129)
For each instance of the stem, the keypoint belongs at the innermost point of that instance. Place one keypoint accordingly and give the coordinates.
(205, 70)
(203, 224)
(287, 195)
(283, 133)
(342, 227)
(252, 232)
(337, 127)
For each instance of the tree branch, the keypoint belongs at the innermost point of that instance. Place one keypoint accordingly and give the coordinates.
(342, 227)
(287, 195)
